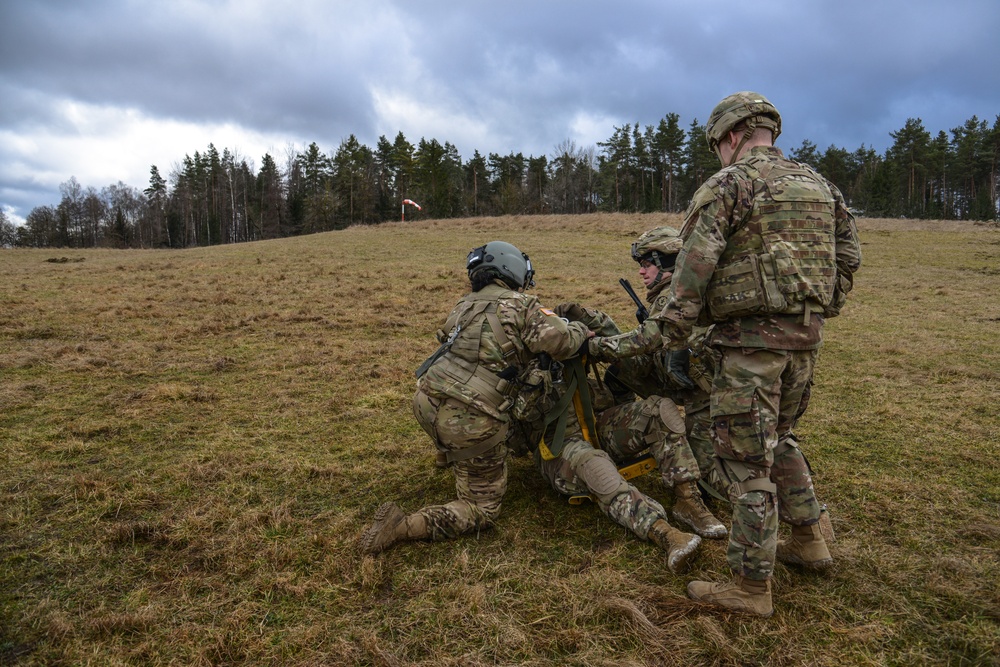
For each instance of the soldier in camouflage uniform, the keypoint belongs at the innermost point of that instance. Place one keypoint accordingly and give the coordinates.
(579, 437)
(770, 251)
(465, 391)
(643, 366)
(646, 368)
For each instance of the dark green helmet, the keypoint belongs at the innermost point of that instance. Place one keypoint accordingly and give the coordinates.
(511, 264)
(738, 107)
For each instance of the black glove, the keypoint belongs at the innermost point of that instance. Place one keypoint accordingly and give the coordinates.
(678, 362)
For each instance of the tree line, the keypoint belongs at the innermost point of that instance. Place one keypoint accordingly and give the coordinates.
(212, 198)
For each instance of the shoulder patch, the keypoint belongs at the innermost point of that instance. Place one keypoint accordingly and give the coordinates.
(547, 311)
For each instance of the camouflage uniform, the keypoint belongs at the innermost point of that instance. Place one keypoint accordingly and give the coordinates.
(770, 249)
(466, 389)
(622, 433)
(463, 417)
(643, 366)
(585, 461)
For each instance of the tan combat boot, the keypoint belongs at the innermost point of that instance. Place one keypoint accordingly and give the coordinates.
(391, 526)
(690, 509)
(806, 547)
(680, 547)
(743, 595)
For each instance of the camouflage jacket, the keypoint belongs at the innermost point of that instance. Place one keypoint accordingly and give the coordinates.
(810, 270)
(642, 361)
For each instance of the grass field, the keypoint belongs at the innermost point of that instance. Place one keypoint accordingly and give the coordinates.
(191, 441)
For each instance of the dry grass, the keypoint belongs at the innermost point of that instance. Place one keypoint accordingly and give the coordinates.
(190, 442)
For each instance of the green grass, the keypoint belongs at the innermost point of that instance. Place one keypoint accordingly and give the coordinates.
(191, 441)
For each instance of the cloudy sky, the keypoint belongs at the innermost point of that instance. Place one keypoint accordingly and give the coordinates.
(103, 89)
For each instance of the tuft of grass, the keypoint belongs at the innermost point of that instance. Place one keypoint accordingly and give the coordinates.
(191, 441)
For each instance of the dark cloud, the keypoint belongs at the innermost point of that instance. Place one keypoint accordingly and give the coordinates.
(519, 76)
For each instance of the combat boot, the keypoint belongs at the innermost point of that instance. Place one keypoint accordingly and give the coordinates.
(806, 547)
(748, 596)
(680, 547)
(689, 508)
(391, 526)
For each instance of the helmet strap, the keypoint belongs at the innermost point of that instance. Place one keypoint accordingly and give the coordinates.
(752, 124)
(747, 133)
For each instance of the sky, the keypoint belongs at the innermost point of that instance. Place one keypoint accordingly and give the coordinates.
(104, 89)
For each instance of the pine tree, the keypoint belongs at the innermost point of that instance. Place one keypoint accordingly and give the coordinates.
(157, 231)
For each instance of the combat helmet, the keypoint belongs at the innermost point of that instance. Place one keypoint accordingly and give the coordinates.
(753, 108)
(512, 265)
(659, 246)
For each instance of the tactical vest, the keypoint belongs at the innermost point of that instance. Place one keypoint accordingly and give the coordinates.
(783, 258)
(459, 372)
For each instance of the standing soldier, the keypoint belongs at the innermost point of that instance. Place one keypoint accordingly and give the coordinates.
(466, 389)
(770, 251)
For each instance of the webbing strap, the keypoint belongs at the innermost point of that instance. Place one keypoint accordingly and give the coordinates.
(711, 490)
(558, 414)
(506, 346)
(577, 392)
(479, 448)
(582, 402)
(758, 484)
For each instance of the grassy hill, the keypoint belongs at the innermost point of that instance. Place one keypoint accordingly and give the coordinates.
(190, 442)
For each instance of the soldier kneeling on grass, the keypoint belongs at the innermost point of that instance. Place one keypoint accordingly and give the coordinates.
(466, 389)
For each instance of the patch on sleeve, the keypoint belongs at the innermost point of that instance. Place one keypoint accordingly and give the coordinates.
(547, 311)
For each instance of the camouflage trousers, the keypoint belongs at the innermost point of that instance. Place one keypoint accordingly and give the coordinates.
(757, 396)
(629, 429)
(582, 469)
(480, 482)
(698, 422)
(623, 431)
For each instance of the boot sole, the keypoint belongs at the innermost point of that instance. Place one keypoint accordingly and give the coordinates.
(677, 559)
(367, 541)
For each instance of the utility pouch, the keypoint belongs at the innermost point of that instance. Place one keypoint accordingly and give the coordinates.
(532, 403)
(735, 289)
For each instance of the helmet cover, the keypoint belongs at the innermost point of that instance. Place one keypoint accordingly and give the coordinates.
(739, 107)
(659, 246)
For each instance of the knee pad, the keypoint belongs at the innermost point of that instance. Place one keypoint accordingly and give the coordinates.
(671, 416)
(600, 474)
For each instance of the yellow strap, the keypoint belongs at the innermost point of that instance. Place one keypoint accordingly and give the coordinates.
(544, 450)
(638, 468)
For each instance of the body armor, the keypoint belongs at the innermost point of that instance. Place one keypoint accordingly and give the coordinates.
(469, 371)
(783, 258)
